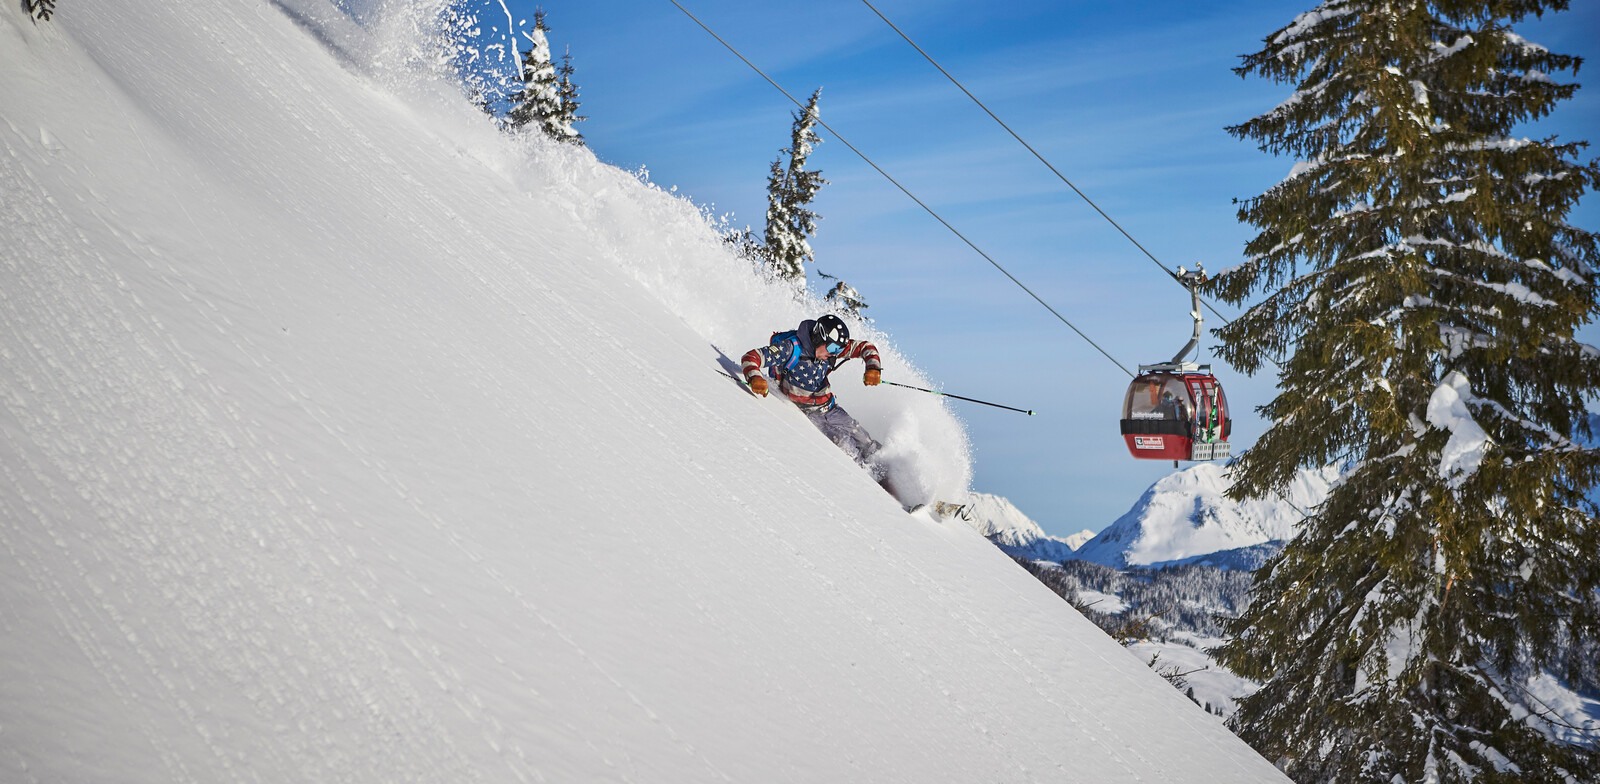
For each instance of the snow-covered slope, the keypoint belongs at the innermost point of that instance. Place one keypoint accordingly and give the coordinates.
(343, 440)
(1018, 535)
(1186, 514)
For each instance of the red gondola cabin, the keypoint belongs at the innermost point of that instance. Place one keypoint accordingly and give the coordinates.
(1176, 411)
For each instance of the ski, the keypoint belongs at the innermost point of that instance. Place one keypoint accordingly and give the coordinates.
(943, 510)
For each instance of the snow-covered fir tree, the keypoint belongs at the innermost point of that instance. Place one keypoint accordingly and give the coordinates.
(843, 297)
(745, 245)
(1422, 290)
(537, 103)
(789, 189)
(567, 91)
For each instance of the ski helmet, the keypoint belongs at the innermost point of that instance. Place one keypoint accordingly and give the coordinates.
(830, 331)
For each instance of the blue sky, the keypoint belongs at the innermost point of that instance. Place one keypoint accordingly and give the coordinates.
(1128, 100)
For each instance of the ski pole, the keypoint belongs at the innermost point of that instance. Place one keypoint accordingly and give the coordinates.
(957, 397)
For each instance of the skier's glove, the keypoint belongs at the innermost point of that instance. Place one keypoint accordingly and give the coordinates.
(872, 377)
(758, 385)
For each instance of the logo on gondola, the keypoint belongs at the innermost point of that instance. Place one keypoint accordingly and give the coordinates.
(1149, 442)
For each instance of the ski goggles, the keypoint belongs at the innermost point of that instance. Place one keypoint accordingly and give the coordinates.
(835, 349)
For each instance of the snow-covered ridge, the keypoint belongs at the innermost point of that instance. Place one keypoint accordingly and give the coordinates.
(1001, 522)
(343, 439)
(1187, 515)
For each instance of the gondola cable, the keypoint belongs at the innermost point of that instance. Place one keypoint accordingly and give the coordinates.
(1176, 276)
(1024, 143)
(903, 189)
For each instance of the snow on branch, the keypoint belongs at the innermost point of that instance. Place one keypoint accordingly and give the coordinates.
(1447, 410)
(1516, 291)
(1441, 51)
(1308, 21)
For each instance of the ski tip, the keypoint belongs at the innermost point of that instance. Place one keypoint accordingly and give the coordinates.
(947, 510)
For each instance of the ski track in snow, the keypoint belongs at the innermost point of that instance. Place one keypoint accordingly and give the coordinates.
(342, 444)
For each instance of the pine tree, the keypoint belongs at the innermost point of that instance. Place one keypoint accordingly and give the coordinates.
(744, 244)
(567, 91)
(40, 9)
(1422, 279)
(538, 102)
(789, 189)
(844, 298)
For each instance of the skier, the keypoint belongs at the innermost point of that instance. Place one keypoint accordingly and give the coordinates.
(800, 360)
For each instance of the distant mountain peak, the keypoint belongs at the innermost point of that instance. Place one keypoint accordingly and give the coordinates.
(1187, 515)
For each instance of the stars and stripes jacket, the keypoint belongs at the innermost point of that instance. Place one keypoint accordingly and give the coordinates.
(790, 358)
